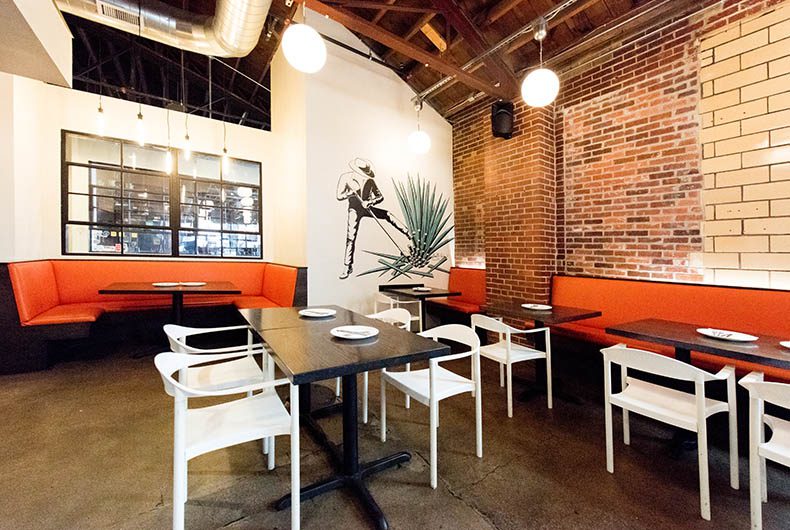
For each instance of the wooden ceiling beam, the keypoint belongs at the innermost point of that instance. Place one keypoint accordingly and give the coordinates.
(381, 6)
(382, 12)
(561, 17)
(499, 10)
(413, 30)
(401, 45)
(458, 19)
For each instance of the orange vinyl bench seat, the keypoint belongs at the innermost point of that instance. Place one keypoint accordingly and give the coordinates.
(749, 310)
(471, 283)
(51, 292)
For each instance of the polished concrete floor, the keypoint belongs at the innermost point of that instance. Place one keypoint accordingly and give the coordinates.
(87, 444)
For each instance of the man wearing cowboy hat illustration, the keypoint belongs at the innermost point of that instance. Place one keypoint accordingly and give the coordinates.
(362, 193)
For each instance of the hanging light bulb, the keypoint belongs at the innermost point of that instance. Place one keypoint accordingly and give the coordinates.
(101, 119)
(419, 141)
(542, 85)
(140, 127)
(187, 149)
(303, 47)
(225, 157)
(169, 153)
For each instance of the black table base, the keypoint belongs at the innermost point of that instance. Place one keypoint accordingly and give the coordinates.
(350, 472)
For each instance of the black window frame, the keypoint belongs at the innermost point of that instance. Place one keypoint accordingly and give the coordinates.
(173, 202)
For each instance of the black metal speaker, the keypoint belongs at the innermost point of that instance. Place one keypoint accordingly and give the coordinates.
(502, 119)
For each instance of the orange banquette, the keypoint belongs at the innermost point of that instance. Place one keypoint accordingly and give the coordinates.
(756, 311)
(471, 283)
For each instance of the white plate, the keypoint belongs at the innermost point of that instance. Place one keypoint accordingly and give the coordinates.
(193, 284)
(785, 343)
(317, 312)
(724, 334)
(421, 289)
(537, 307)
(354, 332)
(165, 284)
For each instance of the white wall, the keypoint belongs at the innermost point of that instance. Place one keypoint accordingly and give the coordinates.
(356, 108)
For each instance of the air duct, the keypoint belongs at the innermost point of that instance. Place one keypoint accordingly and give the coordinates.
(233, 30)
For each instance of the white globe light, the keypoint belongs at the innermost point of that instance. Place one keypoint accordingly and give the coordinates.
(419, 142)
(304, 48)
(540, 87)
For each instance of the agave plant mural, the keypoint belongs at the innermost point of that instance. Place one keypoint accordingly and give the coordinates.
(427, 220)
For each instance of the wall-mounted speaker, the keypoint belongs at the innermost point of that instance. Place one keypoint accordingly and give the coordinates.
(502, 119)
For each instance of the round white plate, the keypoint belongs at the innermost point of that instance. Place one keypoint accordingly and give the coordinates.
(317, 312)
(421, 289)
(354, 332)
(785, 343)
(724, 334)
(537, 307)
(193, 284)
(165, 284)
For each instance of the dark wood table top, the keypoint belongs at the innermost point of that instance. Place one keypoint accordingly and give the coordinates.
(306, 352)
(149, 288)
(556, 315)
(268, 318)
(419, 295)
(766, 350)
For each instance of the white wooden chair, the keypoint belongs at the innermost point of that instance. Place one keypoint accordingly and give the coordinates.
(384, 301)
(202, 430)
(230, 374)
(776, 449)
(399, 317)
(435, 383)
(506, 353)
(680, 409)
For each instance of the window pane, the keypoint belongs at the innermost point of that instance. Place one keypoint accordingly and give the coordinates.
(241, 245)
(209, 218)
(79, 208)
(199, 243)
(241, 220)
(79, 179)
(241, 197)
(189, 216)
(188, 191)
(105, 182)
(78, 239)
(199, 165)
(208, 194)
(243, 171)
(150, 187)
(147, 157)
(146, 241)
(148, 213)
(87, 150)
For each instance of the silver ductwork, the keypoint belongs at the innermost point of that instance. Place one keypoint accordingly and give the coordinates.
(233, 30)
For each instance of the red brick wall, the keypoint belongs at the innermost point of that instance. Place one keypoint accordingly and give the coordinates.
(612, 187)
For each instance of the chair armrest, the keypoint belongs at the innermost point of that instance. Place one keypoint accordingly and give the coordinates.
(263, 385)
(751, 377)
(451, 357)
(253, 348)
(725, 373)
(527, 331)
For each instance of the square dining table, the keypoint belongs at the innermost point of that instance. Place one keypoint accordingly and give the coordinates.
(407, 291)
(306, 352)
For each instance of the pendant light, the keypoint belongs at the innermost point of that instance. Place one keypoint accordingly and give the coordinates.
(101, 119)
(187, 149)
(541, 86)
(419, 141)
(303, 47)
(169, 154)
(140, 126)
(225, 157)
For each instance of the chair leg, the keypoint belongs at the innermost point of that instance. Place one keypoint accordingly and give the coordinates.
(295, 460)
(408, 398)
(609, 436)
(501, 375)
(509, 390)
(763, 467)
(549, 392)
(179, 494)
(479, 422)
(756, 477)
(704, 487)
(383, 418)
(265, 445)
(434, 414)
(337, 387)
(733, 427)
(365, 397)
(270, 463)
(626, 422)
(179, 463)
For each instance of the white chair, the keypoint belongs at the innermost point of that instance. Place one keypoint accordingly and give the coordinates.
(506, 353)
(230, 374)
(384, 301)
(399, 317)
(435, 383)
(680, 409)
(202, 430)
(776, 449)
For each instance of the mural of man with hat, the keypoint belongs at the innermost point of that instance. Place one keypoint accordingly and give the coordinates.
(359, 188)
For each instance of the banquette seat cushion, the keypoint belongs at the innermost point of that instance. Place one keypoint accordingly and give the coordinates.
(471, 283)
(757, 311)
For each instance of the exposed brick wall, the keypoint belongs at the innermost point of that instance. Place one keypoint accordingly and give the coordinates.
(625, 152)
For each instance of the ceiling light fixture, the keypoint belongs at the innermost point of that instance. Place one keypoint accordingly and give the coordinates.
(101, 119)
(419, 141)
(542, 85)
(225, 157)
(140, 126)
(303, 47)
(187, 144)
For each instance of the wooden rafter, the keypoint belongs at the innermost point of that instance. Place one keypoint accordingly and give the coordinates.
(499, 10)
(413, 30)
(382, 6)
(381, 12)
(561, 17)
(401, 45)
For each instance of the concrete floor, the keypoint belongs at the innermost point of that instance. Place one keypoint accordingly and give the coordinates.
(87, 444)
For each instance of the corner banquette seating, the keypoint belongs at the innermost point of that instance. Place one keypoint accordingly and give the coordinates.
(751, 310)
(52, 297)
(471, 283)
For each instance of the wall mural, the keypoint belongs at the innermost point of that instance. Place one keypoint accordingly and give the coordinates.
(427, 225)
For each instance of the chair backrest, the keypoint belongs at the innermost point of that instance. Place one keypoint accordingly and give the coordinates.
(776, 393)
(397, 314)
(654, 363)
(168, 363)
(382, 300)
(456, 333)
(176, 335)
(492, 324)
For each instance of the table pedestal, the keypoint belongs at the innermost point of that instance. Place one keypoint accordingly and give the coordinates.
(350, 472)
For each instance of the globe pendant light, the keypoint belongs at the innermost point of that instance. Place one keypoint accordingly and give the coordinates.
(419, 141)
(542, 85)
(303, 47)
